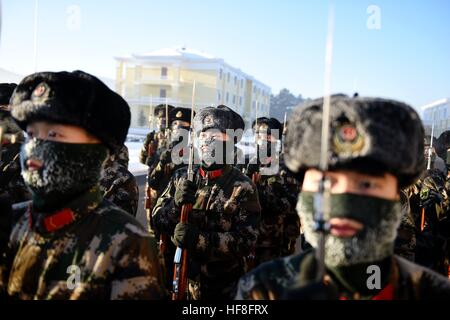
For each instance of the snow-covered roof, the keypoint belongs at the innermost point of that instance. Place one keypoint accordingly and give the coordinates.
(179, 53)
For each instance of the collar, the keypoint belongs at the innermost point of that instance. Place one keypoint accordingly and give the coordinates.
(211, 175)
(75, 210)
(387, 293)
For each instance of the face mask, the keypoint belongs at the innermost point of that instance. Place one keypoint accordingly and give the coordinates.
(215, 153)
(375, 242)
(178, 133)
(68, 169)
(265, 148)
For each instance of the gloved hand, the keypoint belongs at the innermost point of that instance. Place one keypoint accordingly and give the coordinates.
(431, 198)
(185, 193)
(165, 157)
(306, 287)
(185, 236)
(251, 169)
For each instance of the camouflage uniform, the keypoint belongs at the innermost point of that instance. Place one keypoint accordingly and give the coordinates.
(405, 243)
(409, 281)
(280, 224)
(227, 213)
(432, 240)
(156, 142)
(118, 184)
(11, 182)
(92, 241)
(158, 182)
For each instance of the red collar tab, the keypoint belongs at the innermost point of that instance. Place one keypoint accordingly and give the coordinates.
(386, 294)
(214, 174)
(59, 220)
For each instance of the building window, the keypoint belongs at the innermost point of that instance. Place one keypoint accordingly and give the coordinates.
(240, 101)
(162, 93)
(227, 97)
(234, 98)
(235, 80)
(219, 96)
(228, 77)
(164, 72)
(220, 74)
(242, 83)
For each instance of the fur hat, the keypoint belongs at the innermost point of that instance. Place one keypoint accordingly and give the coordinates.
(182, 114)
(160, 110)
(220, 118)
(270, 123)
(74, 98)
(370, 135)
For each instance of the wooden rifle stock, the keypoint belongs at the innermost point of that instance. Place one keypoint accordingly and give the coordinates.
(180, 262)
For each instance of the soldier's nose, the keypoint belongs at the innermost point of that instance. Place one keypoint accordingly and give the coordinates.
(33, 164)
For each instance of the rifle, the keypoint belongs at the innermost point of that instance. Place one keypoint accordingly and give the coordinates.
(180, 260)
(151, 150)
(283, 135)
(322, 198)
(163, 236)
(256, 175)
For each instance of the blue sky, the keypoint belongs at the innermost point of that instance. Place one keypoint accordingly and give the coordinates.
(279, 42)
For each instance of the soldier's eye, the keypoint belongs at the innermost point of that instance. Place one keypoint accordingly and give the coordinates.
(53, 134)
(367, 185)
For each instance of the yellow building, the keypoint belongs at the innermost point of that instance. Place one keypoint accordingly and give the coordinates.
(168, 75)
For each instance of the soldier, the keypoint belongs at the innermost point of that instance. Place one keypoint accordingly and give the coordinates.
(223, 225)
(375, 149)
(280, 225)
(156, 141)
(11, 182)
(429, 204)
(70, 243)
(180, 121)
(118, 184)
(154, 145)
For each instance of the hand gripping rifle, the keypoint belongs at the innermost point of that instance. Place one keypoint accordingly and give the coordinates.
(180, 280)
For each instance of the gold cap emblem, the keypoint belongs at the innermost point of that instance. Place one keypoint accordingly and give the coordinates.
(348, 140)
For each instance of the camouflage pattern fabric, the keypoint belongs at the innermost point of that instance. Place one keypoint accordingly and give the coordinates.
(11, 181)
(90, 250)
(280, 224)
(430, 197)
(271, 280)
(227, 213)
(118, 184)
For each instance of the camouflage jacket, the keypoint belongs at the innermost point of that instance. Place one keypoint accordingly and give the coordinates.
(11, 180)
(405, 243)
(227, 213)
(280, 224)
(433, 240)
(90, 250)
(156, 142)
(409, 281)
(118, 184)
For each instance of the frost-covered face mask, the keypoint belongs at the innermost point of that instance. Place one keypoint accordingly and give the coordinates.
(214, 152)
(375, 242)
(68, 169)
